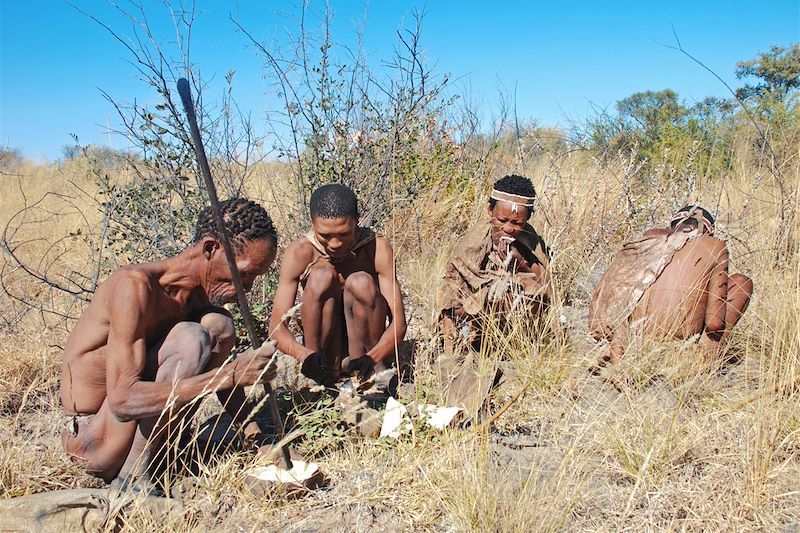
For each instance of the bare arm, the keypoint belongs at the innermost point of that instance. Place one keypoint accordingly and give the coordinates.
(652, 232)
(543, 276)
(292, 268)
(129, 397)
(717, 291)
(390, 289)
(541, 279)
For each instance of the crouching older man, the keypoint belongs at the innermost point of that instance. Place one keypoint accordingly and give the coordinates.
(151, 342)
(671, 283)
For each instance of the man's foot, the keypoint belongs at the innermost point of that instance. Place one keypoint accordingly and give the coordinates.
(253, 437)
(136, 485)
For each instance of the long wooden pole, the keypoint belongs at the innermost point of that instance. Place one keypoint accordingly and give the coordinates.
(188, 106)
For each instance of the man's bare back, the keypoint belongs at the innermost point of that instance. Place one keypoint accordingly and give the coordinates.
(692, 296)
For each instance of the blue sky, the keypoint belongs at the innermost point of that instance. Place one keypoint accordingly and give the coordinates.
(562, 59)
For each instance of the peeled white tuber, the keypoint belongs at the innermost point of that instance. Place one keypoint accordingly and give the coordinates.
(300, 472)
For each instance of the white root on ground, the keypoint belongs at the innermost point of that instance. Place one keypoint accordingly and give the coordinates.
(301, 471)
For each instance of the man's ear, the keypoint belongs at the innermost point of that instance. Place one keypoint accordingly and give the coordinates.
(530, 213)
(210, 245)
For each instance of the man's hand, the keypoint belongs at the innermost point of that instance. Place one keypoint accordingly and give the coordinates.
(251, 366)
(252, 435)
(506, 248)
(502, 247)
(459, 312)
(313, 367)
(517, 263)
(362, 366)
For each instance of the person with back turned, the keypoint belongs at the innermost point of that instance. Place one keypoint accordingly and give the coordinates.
(671, 283)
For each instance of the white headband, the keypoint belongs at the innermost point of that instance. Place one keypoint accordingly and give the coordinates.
(515, 200)
(695, 213)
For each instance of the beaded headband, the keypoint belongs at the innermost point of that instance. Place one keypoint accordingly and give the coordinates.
(695, 213)
(516, 200)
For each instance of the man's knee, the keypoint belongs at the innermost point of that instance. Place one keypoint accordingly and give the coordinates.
(740, 285)
(597, 327)
(321, 280)
(221, 330)
(185, 352)
(361, 285)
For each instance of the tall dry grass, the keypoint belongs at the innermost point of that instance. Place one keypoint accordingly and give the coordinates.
(678, 447)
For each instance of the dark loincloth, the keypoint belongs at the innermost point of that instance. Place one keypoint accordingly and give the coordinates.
(73, 422)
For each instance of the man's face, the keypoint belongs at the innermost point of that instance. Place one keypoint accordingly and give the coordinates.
(506, 222)
(336, 235)
(253, 260)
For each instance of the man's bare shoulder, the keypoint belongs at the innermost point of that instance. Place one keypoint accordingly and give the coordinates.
(384, 256)
(298, 255)
(710, 240)
(382, 245)
(129, 288)
(713, 244)
(132, 281)
(133, 275)
(300, 249)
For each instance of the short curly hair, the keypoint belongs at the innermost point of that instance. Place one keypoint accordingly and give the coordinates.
(514, 184)
(333, 200)
(244, 219)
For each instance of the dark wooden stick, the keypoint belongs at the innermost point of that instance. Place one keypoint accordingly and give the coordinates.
(186, 97)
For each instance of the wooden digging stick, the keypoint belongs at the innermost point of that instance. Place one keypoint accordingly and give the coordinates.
(186, 97)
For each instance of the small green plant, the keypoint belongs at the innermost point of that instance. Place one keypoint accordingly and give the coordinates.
(322, 426)
(260, 300)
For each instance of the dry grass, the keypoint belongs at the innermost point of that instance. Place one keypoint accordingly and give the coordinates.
(680, 447)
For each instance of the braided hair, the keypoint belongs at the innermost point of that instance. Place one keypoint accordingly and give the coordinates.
(244, 219)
